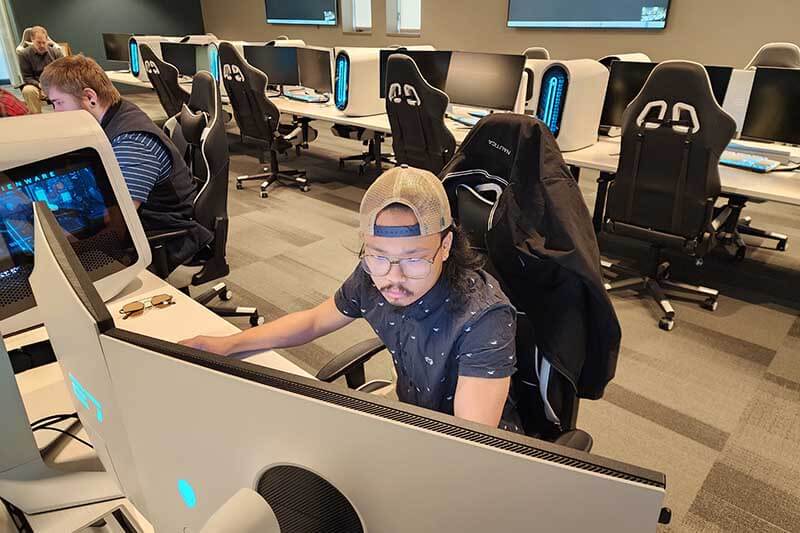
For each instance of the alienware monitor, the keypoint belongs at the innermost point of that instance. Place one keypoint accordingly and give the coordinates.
(302, 12)
(433, 65)
(183, 56)
(482, 80)
(773, 112)
(65, 161)
(279, 63)
(198, 427)
(116, 46)
(611, 14)
(314, 68)
(627, 78)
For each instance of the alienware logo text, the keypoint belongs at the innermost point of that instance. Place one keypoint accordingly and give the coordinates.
(500, 147)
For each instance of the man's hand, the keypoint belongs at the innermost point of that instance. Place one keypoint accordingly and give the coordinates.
(217, 345)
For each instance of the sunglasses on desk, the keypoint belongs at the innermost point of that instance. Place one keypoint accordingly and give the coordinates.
(136, 308)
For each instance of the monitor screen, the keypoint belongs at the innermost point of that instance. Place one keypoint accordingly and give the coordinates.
(182, 56)
(773, 112)
(315, 69)
(116, 45)
(76, 188)
(311, 12)
(627, 78)
(433, 65)
(279, 63)
(642, 14)
(484, 80)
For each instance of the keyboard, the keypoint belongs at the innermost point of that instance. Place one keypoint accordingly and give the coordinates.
(479, 113)
(465, 120)
(312, 98)
(755, 163)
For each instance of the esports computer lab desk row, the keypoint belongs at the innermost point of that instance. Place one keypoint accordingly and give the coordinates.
(782, 187)
(44, 392)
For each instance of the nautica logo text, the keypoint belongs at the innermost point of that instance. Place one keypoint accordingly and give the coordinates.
(499, 147)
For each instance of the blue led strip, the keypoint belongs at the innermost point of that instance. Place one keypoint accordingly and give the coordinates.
(551, 100)
(134, 53)
(213, 62)
(187, 493)
(342, 81)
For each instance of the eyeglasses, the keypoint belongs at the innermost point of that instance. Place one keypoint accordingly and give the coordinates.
(134, 308)
(411, 267)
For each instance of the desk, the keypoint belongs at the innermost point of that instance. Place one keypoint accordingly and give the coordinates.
(126, 78)
(782, 187)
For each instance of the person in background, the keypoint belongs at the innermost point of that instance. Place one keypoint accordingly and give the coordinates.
(32, 62)
(160, 183)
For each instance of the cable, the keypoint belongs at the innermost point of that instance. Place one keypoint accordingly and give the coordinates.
(67, 433)
(52, 419)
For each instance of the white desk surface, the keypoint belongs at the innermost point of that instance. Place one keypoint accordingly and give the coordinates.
(126, 78)
(782, 187)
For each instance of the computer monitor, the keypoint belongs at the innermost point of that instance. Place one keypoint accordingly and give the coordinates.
(623, 14)
(489, 81)
(279, 63)
(199, 427)
(433, 65)
(65, 160)
(182, 56)
(314, 68)
(116, 46)
(307, 12)
(627, 78)
(773, 111)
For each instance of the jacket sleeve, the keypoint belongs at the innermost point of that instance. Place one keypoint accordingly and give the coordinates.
(26, 69)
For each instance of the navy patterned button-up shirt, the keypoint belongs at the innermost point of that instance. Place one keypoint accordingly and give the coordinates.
(439, 337)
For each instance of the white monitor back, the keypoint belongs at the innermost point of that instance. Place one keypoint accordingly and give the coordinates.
(73, 320)
(30, 139)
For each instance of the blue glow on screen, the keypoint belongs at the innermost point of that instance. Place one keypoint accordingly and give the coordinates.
(84, 397)
(73, 196)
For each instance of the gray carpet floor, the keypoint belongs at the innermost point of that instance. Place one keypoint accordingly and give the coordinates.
(715, 404)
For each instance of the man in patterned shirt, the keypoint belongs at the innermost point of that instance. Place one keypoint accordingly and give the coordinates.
(449, 328)
(160, 183)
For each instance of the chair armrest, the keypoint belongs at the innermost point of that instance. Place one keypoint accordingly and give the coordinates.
(159, 237)
(350, 363)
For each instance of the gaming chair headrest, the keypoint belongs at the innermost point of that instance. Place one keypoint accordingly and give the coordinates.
(404, 82)
(236, 70)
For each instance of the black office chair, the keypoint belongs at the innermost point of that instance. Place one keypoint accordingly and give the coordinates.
(164, 78)
(199, 128)
(664, 192)
(371, 140)
(773, 55)
(416, 110)
(259, 120)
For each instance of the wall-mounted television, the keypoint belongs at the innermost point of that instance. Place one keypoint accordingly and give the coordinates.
(307, 12)
(609, 14)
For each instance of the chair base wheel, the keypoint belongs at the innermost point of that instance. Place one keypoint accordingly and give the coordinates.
(305, 188)
(256, 320)
(782, 245)
(239, 185)
(666, 324)
(226, 295)
(710, 304)
(740, 254)
(264, 194)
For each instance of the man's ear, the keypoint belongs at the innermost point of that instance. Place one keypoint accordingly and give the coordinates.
(91, 97)
(447, 244)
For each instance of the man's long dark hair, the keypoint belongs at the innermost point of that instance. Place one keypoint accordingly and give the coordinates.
(462, 262)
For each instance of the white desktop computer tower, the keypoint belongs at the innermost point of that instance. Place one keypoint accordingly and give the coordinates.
(136, 63)
(65, 160)
(356, 77)
(568, 97)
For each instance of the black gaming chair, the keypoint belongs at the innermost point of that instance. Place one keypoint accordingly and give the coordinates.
(164, 78)
(199, 128)
(664, 192)
(416, 109)
(259, 119)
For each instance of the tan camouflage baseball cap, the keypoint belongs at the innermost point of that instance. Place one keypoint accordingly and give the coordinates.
(419, 190)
